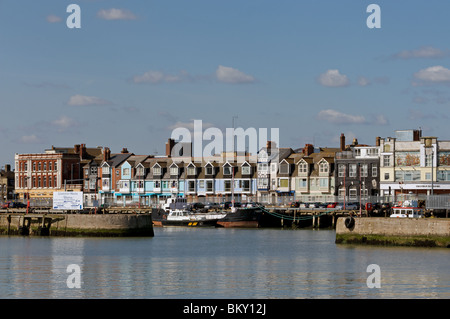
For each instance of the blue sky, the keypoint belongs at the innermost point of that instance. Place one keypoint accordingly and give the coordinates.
(136, 70)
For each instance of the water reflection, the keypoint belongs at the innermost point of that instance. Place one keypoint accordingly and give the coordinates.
(218, 263)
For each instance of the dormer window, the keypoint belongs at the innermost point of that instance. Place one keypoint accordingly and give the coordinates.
(323, 167)
(157, 170)
(209, 169)
(140, 171)
(246, 169)
(191, 169)
(284, 168)
(174, 170)
(227, 169)
(303, 168)
(105, 169)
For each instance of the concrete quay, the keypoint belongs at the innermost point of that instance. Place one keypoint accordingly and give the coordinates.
(93, 225)
(421, 232)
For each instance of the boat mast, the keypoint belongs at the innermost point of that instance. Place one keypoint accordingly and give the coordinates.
(232, 169)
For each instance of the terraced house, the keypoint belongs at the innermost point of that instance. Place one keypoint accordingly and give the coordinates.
(414, 164)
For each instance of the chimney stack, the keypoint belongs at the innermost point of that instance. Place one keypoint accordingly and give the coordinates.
(308, 149)
(82, 151)
(76, 148)
(124, 150)
(7, 168)
(169, 146)
(106, 154)
(342, 142)
(378, 141)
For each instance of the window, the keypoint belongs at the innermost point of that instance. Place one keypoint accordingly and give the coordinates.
(45, 166)
(428, 159)
(105, 169)
(157, 184)
(39, 181)
(44, 181)
(263, 182)
(341, 170)
(50, 181)
(209, 186)
(86, 171)
(353, 193)
(342, 192)
(323, 183)
(39, 166)
(352, 172)
(323, 168)
(209, 170)
(55, 166)
(263, 167)
(191, 170)
(191, 186)
(201, 184)
(374, 170)
(227, 169)
(245, 185)
(303, 168)
(386, 160)
(428, 176)
(34, 166)
(173, 170)
(105, 183)
(156, 170)
(227, 186)
(364, 170)
(246, 169)
(140, 171)
(284, 168)
(303, 182)
(94, 170)
(118, 172)
(92, 183)
(126, 171)
(386, 176)
(283, 182)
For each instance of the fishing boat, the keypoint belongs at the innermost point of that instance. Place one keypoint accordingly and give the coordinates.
(186, 218)
(407, 209)
(247, 217)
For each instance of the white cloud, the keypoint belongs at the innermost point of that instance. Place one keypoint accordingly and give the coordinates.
(82, 100)
(116, 14)
(332, 78)
(64, 122)
(422, 52)
(53, 19)
(363, 81)
(156, 77)
(30, 139)
(336, 117)
(380, 120)
(231, 75)
(435, 74)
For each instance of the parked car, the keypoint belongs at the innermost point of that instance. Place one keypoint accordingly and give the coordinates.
(349, 205)
(304, 205)
(332, 205)
(211, 205)
(195, 206)
(321, 205)
(295, 204)
(14, 205)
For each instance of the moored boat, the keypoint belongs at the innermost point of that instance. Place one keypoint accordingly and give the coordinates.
(407, 209)
(242, 217)
(185, 218)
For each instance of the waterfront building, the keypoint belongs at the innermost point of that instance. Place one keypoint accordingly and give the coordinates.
(357, 171)
(110, 175)
(7, 179)
(272, 188)
(313, 178)
(38, 175)
(413, 164)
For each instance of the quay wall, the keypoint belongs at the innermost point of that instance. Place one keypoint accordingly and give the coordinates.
(102, 225)
(425, 232)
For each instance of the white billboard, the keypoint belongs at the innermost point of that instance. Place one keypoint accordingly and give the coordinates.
(68, 200)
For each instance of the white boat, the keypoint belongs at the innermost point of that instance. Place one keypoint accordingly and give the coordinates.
(407, 209)
(185, 218)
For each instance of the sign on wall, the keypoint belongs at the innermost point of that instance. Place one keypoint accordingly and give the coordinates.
(68, 200)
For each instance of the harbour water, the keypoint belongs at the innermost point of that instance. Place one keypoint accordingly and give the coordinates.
(189, 263)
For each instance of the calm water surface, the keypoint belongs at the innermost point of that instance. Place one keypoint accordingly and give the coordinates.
(218, 263)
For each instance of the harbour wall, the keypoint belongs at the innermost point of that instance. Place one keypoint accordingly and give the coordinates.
(424, 232)
(102, 225)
